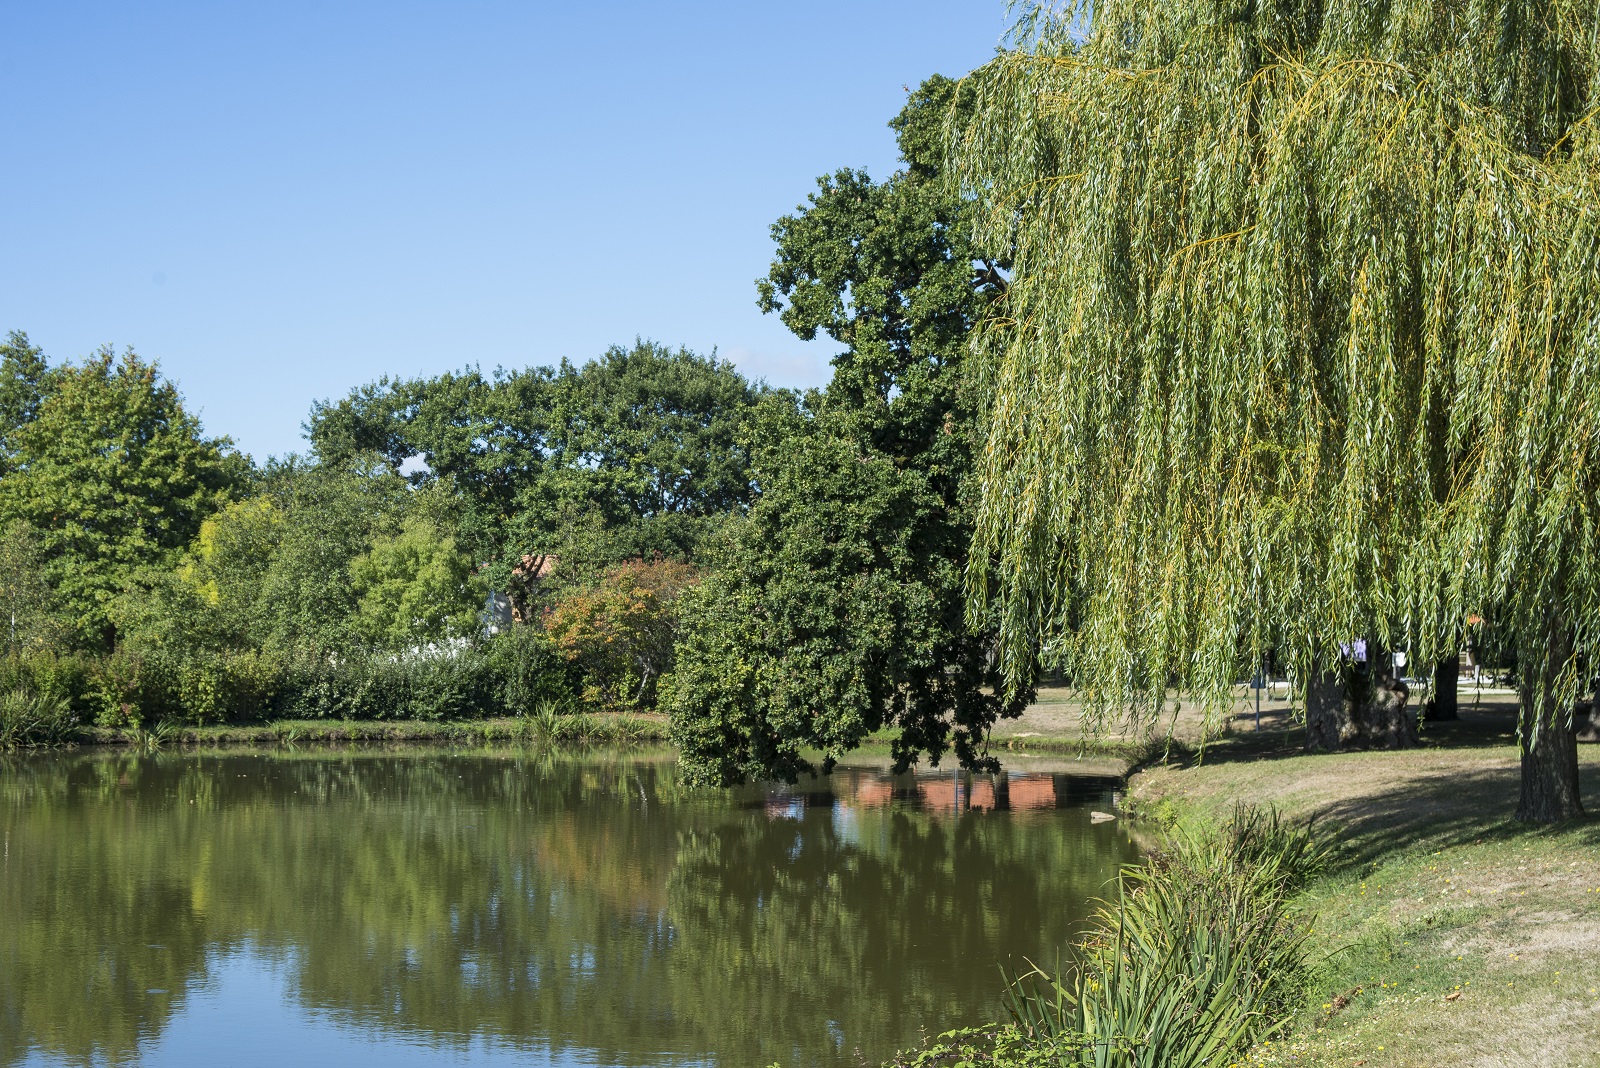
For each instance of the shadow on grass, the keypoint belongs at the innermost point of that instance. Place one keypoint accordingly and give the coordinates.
(1463, 807)
(1482, 727)
(1465, 800)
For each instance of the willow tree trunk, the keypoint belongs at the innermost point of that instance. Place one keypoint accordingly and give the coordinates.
(1358, 708)
(1444, 702)
(1326, 718)
(1548, 737)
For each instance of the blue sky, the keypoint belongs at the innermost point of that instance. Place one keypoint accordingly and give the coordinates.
(280, 201)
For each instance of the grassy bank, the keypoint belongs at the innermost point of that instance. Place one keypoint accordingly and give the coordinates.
(1445, 933)
(574, 727)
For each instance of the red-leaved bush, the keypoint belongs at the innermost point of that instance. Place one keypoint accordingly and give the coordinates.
(620, 632)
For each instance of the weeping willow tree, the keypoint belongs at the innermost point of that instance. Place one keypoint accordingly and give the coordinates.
(1302, 343)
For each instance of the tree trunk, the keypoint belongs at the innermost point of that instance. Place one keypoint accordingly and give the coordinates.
(1549, 770)
(1358, 707)
(1588, 725)
(1548, 739)
(1327, 718)
(1444, 703)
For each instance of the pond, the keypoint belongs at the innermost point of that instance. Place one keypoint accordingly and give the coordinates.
(436, 907)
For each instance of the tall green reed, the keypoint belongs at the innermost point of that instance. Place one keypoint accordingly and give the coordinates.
(35, 718)
(1196, 957)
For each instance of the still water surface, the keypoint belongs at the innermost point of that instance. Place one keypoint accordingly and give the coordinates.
(363, 908)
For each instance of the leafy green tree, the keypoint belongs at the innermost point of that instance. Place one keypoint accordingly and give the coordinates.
(834, 611)
(212, 599)
(30, 619)
(158, 612)
(23, 383)
(631, 455)
(321, 560)
(485, 437)
(888, 269)
(229, 560)
(307, 596)
(1299, 344)
(415, 587)
(648, 439)
(114, 477)
(839, 607)
(372, 421)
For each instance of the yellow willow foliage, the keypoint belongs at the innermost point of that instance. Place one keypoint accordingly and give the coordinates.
(1303, 336)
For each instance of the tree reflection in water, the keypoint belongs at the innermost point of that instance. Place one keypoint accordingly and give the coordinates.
(582, 906)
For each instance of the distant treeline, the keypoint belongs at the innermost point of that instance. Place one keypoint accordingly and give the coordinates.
(153, 573)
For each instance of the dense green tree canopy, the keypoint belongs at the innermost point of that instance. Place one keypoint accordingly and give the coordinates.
(23, 371)
(112, 475)
(838, 607)
(648, 448)
(1301, 339)
(415, 587)
(834, 611)
(888, 269)
(228, 564)
(30, 618)
(488, 436)
(322, 558)
(306, 595)
(635, 453)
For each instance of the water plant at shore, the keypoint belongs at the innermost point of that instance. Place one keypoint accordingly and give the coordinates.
(34, 719)
(543, 721)
(151, 739)
(1195, 958)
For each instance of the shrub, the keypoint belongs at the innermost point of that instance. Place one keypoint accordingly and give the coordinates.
(35, 718)
(529, 670)
(620, 633)
(45, 672)
(132, 688)
(235, 685)
(127, 689)
(451, 684)
(137, 687)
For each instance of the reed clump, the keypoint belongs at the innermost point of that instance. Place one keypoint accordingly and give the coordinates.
(550, 722)
(35, 719)
(1197, 957)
